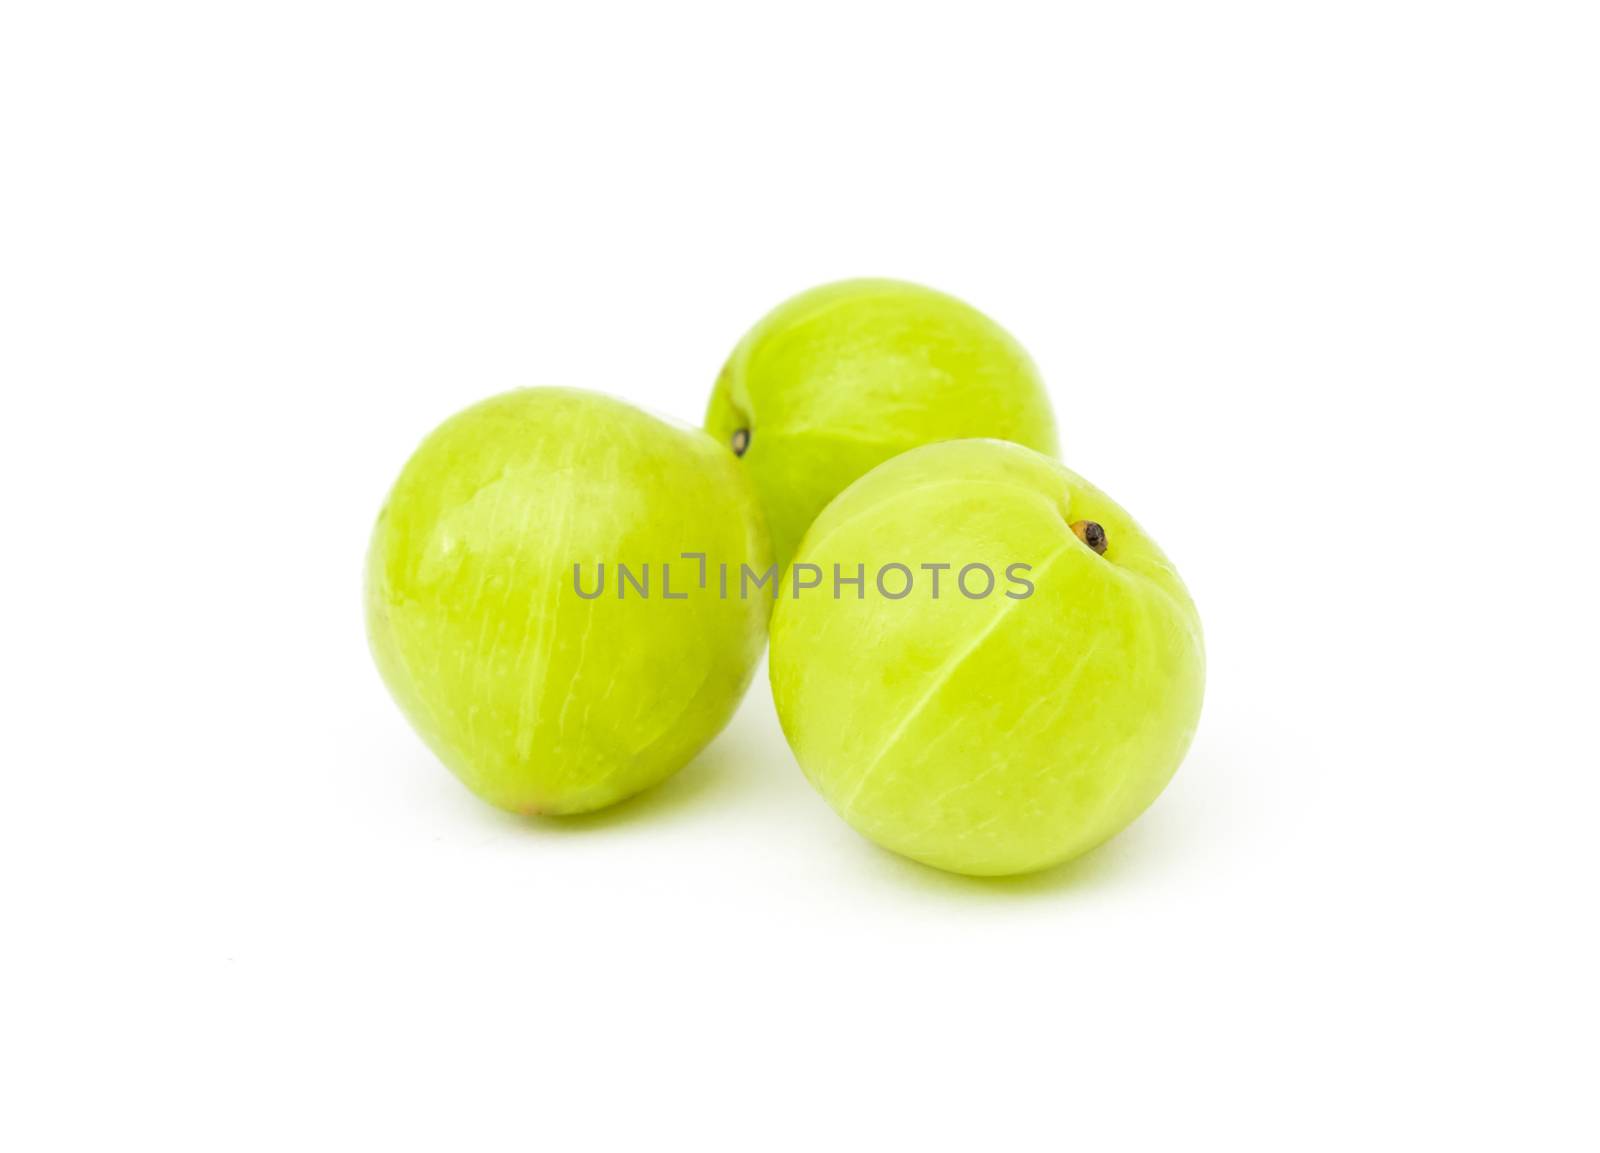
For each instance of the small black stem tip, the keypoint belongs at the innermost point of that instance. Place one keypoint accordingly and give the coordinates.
(741, 441)
(1091, 534)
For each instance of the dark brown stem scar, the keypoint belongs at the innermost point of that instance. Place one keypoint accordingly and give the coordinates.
(741, 441)
(1091, 534)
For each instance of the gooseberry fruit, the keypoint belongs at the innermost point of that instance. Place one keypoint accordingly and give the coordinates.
(840, 378)
(540, 699)
(989, 727)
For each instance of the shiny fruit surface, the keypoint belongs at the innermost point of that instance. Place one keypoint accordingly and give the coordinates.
(839, 379)
(540, 699)
(996, 733)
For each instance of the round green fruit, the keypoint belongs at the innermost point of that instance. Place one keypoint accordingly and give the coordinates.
(996, 727)
(540, 699)
(837, 380)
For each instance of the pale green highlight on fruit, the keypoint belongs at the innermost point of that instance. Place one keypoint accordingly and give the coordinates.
(542, 701)
(839, 379)
(995, 735)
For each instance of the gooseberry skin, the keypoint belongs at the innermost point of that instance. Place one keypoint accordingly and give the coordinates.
(839, 379)
(542, 701)
(995, 735)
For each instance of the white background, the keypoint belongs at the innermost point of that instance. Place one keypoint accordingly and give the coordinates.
(1315, 288)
